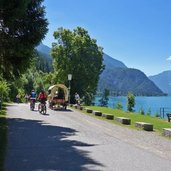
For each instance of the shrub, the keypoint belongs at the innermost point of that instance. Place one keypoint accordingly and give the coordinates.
(157, 114)
(4, 90)
(119, 106)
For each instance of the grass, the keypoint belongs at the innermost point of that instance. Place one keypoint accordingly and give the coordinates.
(3, 136)
(158, 123)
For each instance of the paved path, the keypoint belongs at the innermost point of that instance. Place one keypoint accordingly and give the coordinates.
(71, 141)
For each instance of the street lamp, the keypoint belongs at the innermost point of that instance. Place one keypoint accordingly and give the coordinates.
(69, 88)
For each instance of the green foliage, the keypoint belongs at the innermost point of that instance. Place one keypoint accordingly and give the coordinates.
(87, 98)
(119, 106)
(22, 27)
(77, 54)
(43, 63)
(17, 87)
(105, 98)
(130, 101)
(157, 114)
(32, 79)
(4, 90)
(37, 80)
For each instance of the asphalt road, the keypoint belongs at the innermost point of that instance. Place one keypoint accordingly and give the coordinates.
(71, 141)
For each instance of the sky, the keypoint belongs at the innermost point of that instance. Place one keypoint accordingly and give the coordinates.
(135, 32)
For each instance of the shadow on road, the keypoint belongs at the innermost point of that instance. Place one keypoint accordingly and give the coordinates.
(62, 110)
(34, 145)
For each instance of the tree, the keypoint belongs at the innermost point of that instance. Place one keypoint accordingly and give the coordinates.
(22, 27)
(105, 98)
(33, 78)
(77, 54)
(130, 101)
(4, 90)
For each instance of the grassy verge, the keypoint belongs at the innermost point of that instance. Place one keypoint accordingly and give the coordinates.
(158, 123)
(3, 136)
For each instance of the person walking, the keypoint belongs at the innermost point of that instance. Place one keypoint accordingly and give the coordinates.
(18, 98)
(77, 98)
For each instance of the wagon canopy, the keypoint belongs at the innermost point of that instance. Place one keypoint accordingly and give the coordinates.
(53, 89)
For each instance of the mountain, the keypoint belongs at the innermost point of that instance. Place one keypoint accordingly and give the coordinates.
(43, 49)
(163, 81)
(44, 62)
(121, 80)
(112, 63)
(117, 77)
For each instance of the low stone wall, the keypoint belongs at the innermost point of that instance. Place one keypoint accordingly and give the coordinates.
(123, 120)
(144, 125)
(108, 116)
(167, 132)
(89, 110)
(80, 107)
(127, 121)
(97, 113)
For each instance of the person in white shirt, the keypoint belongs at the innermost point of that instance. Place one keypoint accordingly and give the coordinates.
(77, 98)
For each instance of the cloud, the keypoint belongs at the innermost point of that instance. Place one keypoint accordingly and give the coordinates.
(169, 58)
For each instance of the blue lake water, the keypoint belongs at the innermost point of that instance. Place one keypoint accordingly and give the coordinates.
(152, 104)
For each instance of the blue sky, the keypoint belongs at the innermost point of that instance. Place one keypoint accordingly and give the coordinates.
(136, 32)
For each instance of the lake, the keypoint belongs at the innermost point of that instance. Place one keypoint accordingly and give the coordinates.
(154, 104)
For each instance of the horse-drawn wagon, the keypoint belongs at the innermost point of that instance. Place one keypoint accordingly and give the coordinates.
(58, 96)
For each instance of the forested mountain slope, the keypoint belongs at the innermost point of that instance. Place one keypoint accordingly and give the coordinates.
(121, 80)
(44, 62)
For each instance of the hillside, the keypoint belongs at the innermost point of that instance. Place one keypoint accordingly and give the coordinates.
(121, 80)
(117, 77)
(163, 81)
(44, 62)
(44, 49)
(112, 63)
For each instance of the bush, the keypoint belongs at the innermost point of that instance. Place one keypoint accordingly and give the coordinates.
(119, 106)
(4, 90)
(157, 114)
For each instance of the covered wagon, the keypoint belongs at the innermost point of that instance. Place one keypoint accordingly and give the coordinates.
(58, 96)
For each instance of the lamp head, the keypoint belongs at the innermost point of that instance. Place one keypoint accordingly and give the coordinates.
(69, 77)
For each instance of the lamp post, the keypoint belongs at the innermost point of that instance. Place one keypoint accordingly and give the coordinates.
(69, 87)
